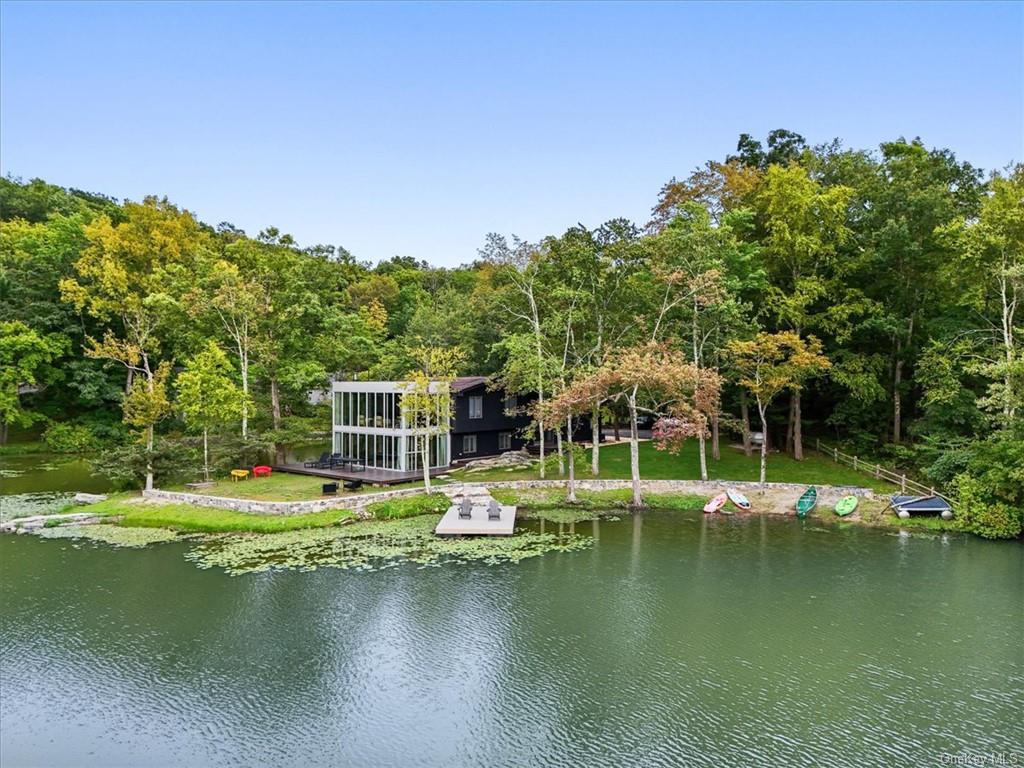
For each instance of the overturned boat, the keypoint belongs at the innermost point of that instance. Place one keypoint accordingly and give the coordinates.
(906, 506)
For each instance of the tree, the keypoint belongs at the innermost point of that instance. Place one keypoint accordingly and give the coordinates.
(804, 223)
(769, 364)
(991, 251)
(239, 304)
(121, 279)
(427, 400)
(520, 266)
(208, 395)
(26, 359)
(649, 378)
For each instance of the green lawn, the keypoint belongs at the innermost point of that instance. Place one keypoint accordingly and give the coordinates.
(734, 465)
(186, 517)
(280, 486)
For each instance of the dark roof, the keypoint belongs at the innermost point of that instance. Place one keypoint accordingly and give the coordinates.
(462, 383)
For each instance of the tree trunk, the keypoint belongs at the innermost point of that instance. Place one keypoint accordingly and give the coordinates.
(425, 454)
(540, 432)
(595, 436)
(3, 433)
(764, 444)
(745, 418)
(789, 424)
(572, 462)
(561, 455)
(244, 364)
(716, 452)
(616, 427)
(634, 453)
(206, 454)
(798, 436)
(149, 435)
(701, 441)
(897, 416)
(149, 458)
(275, 410)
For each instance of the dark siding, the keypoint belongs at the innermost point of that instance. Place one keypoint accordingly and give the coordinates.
(486, 429)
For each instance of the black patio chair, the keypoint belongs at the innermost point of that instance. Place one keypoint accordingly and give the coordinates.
(318, 463)
(336, 460)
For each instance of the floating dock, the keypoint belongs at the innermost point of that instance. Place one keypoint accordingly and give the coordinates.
(478, 523)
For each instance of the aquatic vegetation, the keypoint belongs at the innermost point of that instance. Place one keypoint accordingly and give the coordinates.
(31, 504)
(115, 535)
(372, 545)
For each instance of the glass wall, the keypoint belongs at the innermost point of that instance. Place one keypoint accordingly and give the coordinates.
(368, 409)
(376, 451)
(438, 453)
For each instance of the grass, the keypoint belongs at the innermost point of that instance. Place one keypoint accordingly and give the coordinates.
(536, 499)
(185, 517)
(280, 486)
(409, 506)
(734, 465)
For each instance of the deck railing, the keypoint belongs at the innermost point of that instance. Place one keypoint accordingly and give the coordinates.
(898, 479)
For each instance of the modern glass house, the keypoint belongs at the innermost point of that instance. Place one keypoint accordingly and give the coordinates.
(368, 425)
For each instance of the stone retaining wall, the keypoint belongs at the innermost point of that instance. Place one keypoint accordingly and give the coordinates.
(255, 507)
(356, 503)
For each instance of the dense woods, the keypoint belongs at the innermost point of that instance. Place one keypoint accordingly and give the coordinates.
(871, 298)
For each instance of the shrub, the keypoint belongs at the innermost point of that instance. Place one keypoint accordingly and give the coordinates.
(125, 465)
(70, 438)
(983, 514)
(409, 506)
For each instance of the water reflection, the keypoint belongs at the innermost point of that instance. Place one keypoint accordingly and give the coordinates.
(725, 642)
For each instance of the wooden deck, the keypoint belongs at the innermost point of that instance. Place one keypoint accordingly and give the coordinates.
(370, 476)
(478, 524)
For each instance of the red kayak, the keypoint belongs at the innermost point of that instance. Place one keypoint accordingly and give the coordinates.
(716, 503)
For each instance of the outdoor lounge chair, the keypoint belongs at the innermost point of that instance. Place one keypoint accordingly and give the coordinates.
(335, 460)
(319, 463)
(353, 485)
(493, 510)
(466, 509)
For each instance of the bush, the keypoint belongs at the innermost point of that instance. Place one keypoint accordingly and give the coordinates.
(70, 438)
(410, 506)
(983, 514)
(125, 465)
(232, 451)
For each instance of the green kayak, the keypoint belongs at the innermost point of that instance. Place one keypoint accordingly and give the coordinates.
(806, 501)
(846, 505)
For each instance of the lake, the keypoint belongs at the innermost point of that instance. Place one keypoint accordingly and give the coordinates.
(672, 640)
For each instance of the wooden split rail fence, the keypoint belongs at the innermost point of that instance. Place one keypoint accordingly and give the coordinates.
(896, 478)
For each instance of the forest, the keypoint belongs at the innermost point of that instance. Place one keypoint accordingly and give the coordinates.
(870, 298)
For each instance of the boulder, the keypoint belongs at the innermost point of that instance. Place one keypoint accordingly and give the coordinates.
(89, 498)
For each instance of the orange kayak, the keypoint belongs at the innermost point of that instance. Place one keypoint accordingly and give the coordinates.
(716, 503)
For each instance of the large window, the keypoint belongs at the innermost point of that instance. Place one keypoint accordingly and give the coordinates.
(469, 443)
(504, 441)
(476, 407)
(511, 404)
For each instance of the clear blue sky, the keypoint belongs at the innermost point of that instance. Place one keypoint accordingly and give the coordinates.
(414, 129)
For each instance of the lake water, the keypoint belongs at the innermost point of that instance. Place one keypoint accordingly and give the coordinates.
(672, 640)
